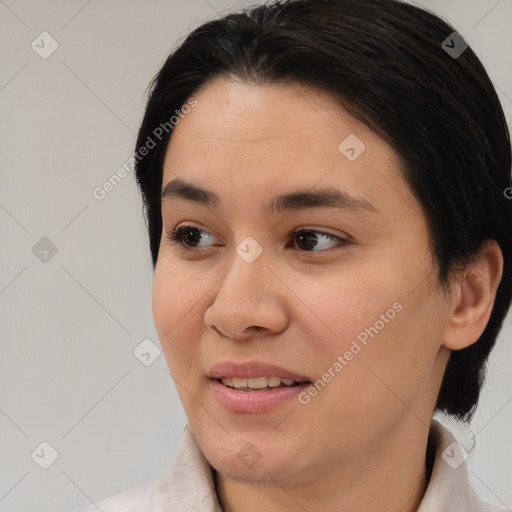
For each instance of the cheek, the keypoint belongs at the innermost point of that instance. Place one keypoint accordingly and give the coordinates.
(165, 308)
(382, 326)
(174, 299)
(342, 305)
(386, 374)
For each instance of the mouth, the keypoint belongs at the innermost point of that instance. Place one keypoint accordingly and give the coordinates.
(253, 386)
(258, 384)
(253, 371)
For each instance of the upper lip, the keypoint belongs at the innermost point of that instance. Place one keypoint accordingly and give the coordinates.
(252, 369)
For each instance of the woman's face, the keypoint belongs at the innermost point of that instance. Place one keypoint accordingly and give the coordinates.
(351, 305)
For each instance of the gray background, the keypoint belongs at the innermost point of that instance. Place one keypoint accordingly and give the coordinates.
(69, 325)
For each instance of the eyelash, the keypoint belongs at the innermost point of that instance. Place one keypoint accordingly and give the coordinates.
(174, 236)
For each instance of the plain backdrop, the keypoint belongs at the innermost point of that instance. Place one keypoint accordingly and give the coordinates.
(75, 271)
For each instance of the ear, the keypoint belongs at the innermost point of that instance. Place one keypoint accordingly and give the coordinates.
(473, 298)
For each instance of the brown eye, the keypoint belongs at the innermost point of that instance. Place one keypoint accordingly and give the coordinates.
(307, 239)
(186, 236)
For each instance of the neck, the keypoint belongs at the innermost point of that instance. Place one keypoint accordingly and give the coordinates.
(394, 478)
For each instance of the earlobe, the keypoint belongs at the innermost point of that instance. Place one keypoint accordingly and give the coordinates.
(474, 298)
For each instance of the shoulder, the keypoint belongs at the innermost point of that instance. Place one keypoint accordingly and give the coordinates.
(449, 487)
(486, 507)
(150, 492)
(189, 479)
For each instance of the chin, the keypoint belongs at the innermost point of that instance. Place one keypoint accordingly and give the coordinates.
(255, 459)
(264, 472)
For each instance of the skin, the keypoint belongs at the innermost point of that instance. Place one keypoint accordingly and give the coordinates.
(360, 443)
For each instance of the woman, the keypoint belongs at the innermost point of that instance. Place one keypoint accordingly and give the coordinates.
(326, 189)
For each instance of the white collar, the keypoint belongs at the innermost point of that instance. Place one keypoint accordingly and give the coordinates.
(187, 484)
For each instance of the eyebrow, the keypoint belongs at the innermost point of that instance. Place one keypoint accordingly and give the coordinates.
(295, 200)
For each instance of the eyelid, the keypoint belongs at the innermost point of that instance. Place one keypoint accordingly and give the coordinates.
(172, 236)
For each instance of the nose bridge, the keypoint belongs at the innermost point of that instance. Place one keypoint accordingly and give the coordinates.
(244, 298)
(246, 272)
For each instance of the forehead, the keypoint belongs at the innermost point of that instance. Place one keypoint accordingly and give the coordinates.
(232, 112)
(245, 137)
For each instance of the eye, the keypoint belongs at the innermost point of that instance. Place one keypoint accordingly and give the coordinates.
(307, 237)
(187, 235)
(187, 231)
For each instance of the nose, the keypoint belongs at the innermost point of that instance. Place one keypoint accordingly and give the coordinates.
(250, 301)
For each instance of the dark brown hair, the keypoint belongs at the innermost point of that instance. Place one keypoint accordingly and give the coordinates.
(384, 60)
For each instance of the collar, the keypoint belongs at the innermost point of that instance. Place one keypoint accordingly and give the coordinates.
(188, 484)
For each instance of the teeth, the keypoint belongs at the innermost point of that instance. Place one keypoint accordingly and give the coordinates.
(273, 382)
(256, 382)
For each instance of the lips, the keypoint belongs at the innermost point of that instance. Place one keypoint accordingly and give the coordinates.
(249, 370)
(254, 387)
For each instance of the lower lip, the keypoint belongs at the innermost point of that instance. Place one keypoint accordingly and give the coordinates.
(253, 401)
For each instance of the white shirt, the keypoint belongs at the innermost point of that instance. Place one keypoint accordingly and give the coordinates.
(187, 484)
